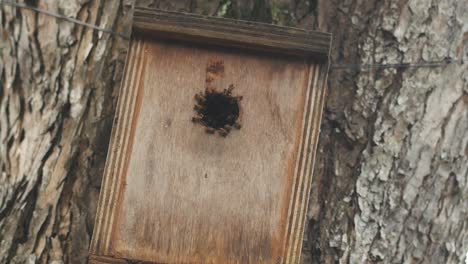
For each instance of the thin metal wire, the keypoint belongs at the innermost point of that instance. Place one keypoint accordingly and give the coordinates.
(69, 19)
(431, 64)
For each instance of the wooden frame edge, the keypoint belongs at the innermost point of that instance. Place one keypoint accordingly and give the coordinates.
(232, 33)
(113, 177)
(299, 201)
(101, 245)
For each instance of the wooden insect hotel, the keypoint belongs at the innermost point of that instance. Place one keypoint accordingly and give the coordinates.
(214, 141)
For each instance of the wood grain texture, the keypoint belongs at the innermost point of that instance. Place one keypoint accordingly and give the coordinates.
(232, 33)
(199, 198)
(174, 194)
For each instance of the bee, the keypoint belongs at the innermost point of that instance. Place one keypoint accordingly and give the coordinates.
(197, 108)
(223, 132)
(228, 91)
(200, 98)
(237, 125)
(210, 130)
(198, 118)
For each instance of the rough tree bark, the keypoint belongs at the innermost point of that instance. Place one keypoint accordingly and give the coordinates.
(391, 182)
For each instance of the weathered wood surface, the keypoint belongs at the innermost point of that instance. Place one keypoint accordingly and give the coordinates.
(174, 194)
(232, 33)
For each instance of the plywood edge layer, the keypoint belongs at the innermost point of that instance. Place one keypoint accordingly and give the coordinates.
(305, 164)
(231, 33)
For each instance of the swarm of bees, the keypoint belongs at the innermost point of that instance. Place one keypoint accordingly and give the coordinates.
(217, 111)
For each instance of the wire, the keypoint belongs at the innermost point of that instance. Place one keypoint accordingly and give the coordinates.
(69, 19)
(432, 64)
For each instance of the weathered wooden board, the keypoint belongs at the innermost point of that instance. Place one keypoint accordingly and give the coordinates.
(173, 193)
(232, 33)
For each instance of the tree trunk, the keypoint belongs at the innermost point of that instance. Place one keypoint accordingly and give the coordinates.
(390, 183)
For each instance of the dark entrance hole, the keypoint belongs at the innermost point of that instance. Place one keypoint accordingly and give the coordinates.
(218, 111)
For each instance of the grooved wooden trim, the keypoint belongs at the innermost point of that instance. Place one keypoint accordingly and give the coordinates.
(113, 174)
(232, 33)
(305, 163)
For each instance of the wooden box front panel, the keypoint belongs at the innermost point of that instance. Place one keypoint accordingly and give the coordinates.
(173, 193)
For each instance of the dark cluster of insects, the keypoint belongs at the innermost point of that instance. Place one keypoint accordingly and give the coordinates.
(217, 111)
